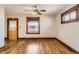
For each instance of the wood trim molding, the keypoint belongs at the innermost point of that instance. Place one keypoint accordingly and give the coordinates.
(38, 38)
(68, 46)
(36, 18)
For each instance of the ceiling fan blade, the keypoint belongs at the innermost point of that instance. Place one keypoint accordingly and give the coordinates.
(38, 12)
(28, 10)
(42, 10)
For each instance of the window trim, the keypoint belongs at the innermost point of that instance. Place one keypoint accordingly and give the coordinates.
(75, 8)
(38, 18)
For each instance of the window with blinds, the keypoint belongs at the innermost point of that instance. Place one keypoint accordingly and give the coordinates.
(70, 15)
(33, 25)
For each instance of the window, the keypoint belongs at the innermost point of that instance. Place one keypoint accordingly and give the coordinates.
(67, 17)
(73, 15)
(70, 16)
(33, 25)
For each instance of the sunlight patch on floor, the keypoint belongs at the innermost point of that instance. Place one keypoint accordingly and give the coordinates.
(32, 48)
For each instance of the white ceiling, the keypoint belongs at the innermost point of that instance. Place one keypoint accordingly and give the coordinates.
(52, 9)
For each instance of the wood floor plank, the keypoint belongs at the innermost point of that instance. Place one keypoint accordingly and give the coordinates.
(36, 46)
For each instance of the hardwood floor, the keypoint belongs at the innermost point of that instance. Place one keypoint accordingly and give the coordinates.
(36, 46)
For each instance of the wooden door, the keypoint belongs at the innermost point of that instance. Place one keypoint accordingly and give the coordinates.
(12, 29)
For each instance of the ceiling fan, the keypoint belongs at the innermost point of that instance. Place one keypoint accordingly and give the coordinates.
(36, 10)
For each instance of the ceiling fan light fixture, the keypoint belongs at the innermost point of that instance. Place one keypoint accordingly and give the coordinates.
(34, 12)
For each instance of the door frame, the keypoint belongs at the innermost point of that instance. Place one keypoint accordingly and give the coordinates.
(8, 27)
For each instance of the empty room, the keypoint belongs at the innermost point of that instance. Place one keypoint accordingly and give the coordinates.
(39, 28)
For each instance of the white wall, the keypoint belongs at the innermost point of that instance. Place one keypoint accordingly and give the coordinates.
(47, 26)
(2, 25)
(68, 33)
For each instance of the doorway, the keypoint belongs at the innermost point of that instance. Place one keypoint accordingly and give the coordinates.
(12, 29)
